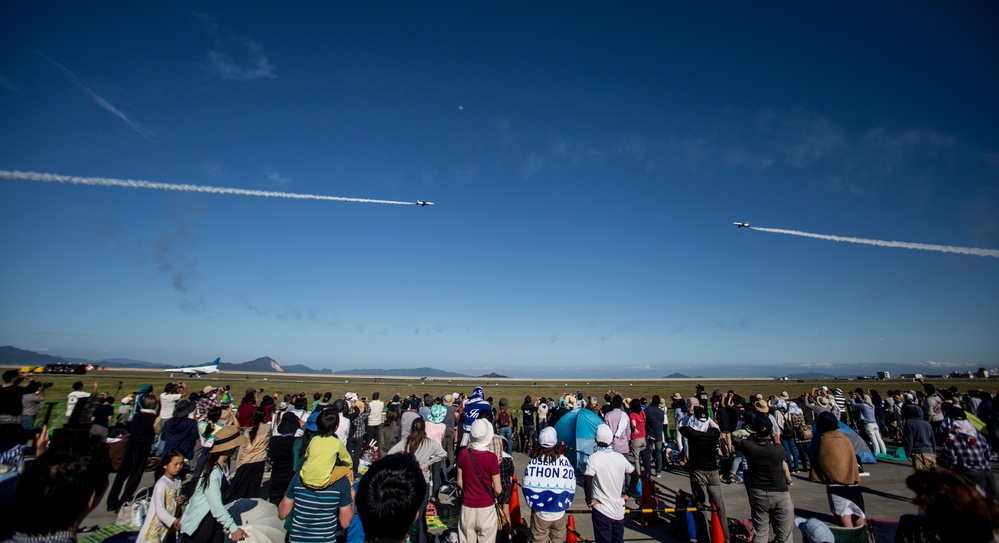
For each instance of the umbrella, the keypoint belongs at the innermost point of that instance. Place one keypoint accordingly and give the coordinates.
(262, 518)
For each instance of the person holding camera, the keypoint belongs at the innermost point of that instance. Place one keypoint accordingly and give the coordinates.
(31, 405)
(11, 396)
(172, 393)
(865, 407)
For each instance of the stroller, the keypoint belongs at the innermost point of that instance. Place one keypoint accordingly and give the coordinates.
(368, 456)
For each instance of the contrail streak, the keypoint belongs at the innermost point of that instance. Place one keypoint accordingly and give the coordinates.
(882, 243)
(137, 184)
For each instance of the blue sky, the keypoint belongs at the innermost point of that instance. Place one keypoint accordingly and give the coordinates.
(587, 162)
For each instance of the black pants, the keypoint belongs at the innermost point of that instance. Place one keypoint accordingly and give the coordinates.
(129, 474)
(209, 531)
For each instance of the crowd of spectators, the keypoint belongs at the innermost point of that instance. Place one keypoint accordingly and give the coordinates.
(327, 455)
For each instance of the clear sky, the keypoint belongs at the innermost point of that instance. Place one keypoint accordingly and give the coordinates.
(587, 161)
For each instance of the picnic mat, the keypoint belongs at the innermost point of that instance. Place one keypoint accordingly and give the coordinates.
(106, 532)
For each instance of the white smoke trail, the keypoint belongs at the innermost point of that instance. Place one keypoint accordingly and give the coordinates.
(882, 243)
(136, 184)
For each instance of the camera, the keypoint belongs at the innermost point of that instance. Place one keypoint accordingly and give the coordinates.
(47, 385)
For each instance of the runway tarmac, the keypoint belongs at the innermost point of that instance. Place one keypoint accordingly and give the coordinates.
(885, 495)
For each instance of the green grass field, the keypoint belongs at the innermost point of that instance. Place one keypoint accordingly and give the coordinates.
(121, 382)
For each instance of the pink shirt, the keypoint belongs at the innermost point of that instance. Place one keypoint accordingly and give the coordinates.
(435, 431)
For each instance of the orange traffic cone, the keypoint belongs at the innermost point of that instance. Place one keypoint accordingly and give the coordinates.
(515, 518)
(717, 531)
(570, 533)
(649, 500)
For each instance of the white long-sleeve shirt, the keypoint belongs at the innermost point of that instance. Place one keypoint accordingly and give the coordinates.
(165, 493)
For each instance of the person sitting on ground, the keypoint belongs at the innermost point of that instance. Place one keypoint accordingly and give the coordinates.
(389, 498)
(951, 511)
(58, 490)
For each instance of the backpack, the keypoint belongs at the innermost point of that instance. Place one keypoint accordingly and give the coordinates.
(503, 419)
(787, 427)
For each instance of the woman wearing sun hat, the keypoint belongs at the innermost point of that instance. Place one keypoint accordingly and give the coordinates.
(436, 430)
(206, 520)
(479, 479)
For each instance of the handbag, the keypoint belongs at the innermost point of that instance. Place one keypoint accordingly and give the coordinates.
(501, 520)
(134, 513)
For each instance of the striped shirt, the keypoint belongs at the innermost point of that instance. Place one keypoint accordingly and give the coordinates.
(317, 512)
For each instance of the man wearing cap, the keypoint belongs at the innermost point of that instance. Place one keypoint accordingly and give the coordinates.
(702, 437)
(206, 401)
(769, 499)
(603, 480)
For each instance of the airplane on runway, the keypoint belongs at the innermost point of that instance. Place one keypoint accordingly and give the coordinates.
(741, 224)
(197, 370)
(423, 204)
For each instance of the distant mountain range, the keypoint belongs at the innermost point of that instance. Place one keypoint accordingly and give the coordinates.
(400, 372)
(12, 356)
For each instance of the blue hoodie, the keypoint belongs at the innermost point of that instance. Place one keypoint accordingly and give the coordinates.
(473, 406)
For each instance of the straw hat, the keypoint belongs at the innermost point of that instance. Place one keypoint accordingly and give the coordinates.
(761, 406)
(227, 438)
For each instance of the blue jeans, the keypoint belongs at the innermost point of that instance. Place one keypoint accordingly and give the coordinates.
(790, 451)
(606, 529)
(27, 421)
(507, 432)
